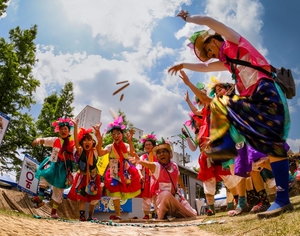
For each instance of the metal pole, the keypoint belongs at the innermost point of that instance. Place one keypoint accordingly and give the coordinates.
(183, 155)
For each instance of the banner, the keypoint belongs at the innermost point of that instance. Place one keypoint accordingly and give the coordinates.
(106, 205)
(4, 121)
(27, 181)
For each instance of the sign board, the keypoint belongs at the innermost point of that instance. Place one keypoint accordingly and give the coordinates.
(4, 121)
(106, 205)
(27, 181)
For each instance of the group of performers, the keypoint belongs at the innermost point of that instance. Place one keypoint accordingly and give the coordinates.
(256, 119)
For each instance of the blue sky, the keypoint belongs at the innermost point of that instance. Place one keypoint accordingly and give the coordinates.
(96, 43)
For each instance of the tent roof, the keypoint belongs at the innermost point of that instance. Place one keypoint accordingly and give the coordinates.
(5, 180)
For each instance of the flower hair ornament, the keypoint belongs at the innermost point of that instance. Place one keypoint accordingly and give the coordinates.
(116, 124)
(146, 137)
(62, 122)
(82, 132)
(216, 81)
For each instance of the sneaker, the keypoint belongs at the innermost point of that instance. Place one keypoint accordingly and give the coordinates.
(37, 201)
(54, 216)
(276, 212)
(260, 207)
(209, 212)
(82, 219)
(146, 217)
(114, 217)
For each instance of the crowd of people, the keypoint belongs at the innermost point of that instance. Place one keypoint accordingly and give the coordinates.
(240, 130)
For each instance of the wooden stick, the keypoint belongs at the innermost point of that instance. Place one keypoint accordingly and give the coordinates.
(122, 96)
(113, 114)
(120, 89)
(122, 82)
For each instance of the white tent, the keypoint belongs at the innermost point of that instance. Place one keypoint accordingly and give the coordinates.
(6, 181)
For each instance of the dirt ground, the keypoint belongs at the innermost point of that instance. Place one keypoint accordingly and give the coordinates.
(24, 221)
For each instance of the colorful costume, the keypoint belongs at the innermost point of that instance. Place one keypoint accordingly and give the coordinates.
(122, 179)
(54, 168)
(87, 183)
(164, 192)
(261, 116)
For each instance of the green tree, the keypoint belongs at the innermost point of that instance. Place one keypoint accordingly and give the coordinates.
(54, 107)
(17, 58)
(3, 6)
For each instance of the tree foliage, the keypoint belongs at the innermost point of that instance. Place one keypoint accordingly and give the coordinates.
(3, 6)
(17, 58)
(54, 107)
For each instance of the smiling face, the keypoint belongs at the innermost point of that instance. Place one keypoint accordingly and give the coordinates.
(163, 156)
(211, 47)
(220, 90)
(148, 146)
(64, 131)
(117, 135)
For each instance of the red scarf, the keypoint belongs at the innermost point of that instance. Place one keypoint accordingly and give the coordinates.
(121, 148)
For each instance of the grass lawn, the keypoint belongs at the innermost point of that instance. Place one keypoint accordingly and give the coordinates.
(249, 224)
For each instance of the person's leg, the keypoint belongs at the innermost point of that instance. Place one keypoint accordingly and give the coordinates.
(38, 200)
(56, 201)
(82, 211)
(117, 206)
(241, 188)
(209, 191)
(252, 199)
(280, 168)
(92, 205)
(146, 207)
(261, 193)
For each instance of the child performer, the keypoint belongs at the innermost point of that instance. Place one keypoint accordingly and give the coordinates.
(122, 180)
(87, 184)
(149, 142)
(54, 169)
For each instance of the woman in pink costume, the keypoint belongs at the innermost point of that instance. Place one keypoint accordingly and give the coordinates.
(166, 178)
(260, 114)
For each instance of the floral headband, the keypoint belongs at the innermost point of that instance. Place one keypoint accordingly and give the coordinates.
(146, 137)
(191, 121)
(116, 124)
(82, 132)
(62, 122)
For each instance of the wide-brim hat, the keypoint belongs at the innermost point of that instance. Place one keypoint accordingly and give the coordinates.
(197, 40)
(163, 146)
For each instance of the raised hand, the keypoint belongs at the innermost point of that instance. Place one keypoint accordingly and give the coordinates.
(184, 77)
(174, 69)
(183, 14)
(186, 96)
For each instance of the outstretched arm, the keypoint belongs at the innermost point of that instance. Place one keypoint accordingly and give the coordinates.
(220, 28)
(193, 108)
(199, 67)
(98, 136)
(202, 97)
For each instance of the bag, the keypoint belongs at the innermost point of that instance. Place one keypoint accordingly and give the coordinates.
(283, 77)
(69, 179)
(82, 165)
(91, 188)
(222, 149)
(285, 80)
